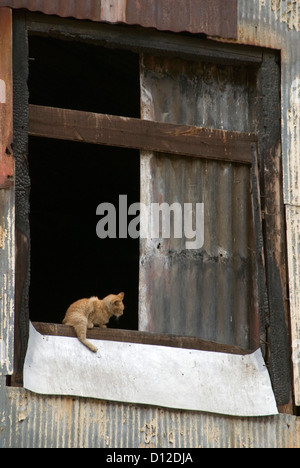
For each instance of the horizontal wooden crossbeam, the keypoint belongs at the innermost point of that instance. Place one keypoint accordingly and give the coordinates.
(110, 130)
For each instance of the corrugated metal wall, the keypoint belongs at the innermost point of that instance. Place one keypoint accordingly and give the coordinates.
(213, 17)
(30, 420)
(207, 292)
(49, 422)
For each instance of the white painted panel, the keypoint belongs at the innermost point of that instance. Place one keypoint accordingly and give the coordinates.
(154, 375)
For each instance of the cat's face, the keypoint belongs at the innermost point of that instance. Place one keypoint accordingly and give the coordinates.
(116, 304)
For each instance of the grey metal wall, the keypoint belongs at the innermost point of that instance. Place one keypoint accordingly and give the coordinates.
(209, 292)
(48, 422)
(30, 420)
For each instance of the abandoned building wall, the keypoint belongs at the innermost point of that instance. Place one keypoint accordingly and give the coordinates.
(39, 421)
(28, 420)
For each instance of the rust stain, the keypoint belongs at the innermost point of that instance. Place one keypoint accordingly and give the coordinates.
(3, 236)
(212, 17)
(87, 9)
(6, 112)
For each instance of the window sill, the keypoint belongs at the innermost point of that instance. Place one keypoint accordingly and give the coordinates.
(148, 338)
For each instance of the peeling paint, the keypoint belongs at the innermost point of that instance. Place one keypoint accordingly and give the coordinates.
(287, 11)
(7, 255)
(3, 236)
(293, 228)
(22, 413)
(293, 133)
(295, 92)
(150, 432)
(2, 92)
(67, 422)
(296, 351)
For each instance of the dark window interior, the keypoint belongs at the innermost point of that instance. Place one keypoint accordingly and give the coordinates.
(69, 180)
(81, 76)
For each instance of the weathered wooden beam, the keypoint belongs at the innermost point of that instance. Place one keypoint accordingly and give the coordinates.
(110, 130)
(131, 336)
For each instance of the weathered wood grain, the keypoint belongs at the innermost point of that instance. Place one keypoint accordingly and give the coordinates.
(146, 135)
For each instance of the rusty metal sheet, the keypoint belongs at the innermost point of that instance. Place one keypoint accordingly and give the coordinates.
(87, 9)
(212, 17)
(207, 292)
(6, 109)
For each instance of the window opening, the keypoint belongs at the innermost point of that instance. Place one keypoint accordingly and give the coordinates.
(68, 261)
(81, 76)
(69, 180)
(50, 86)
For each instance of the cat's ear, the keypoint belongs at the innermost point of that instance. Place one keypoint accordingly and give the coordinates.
(121, 295)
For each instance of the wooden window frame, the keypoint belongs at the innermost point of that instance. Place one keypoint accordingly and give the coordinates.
(174, 139)
(110, 130)
(102, 129)
(86, 127)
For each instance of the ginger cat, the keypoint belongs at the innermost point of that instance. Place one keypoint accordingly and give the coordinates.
(86, 313)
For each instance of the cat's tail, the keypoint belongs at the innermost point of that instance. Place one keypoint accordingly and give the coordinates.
(80, 330)
(88, 344)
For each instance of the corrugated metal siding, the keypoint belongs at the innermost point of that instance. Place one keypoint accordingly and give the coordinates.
(209, 292)
(275, 24)
(87, 9)
(33, 421)
(3, 411)
(36, 421)
(213, 17)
